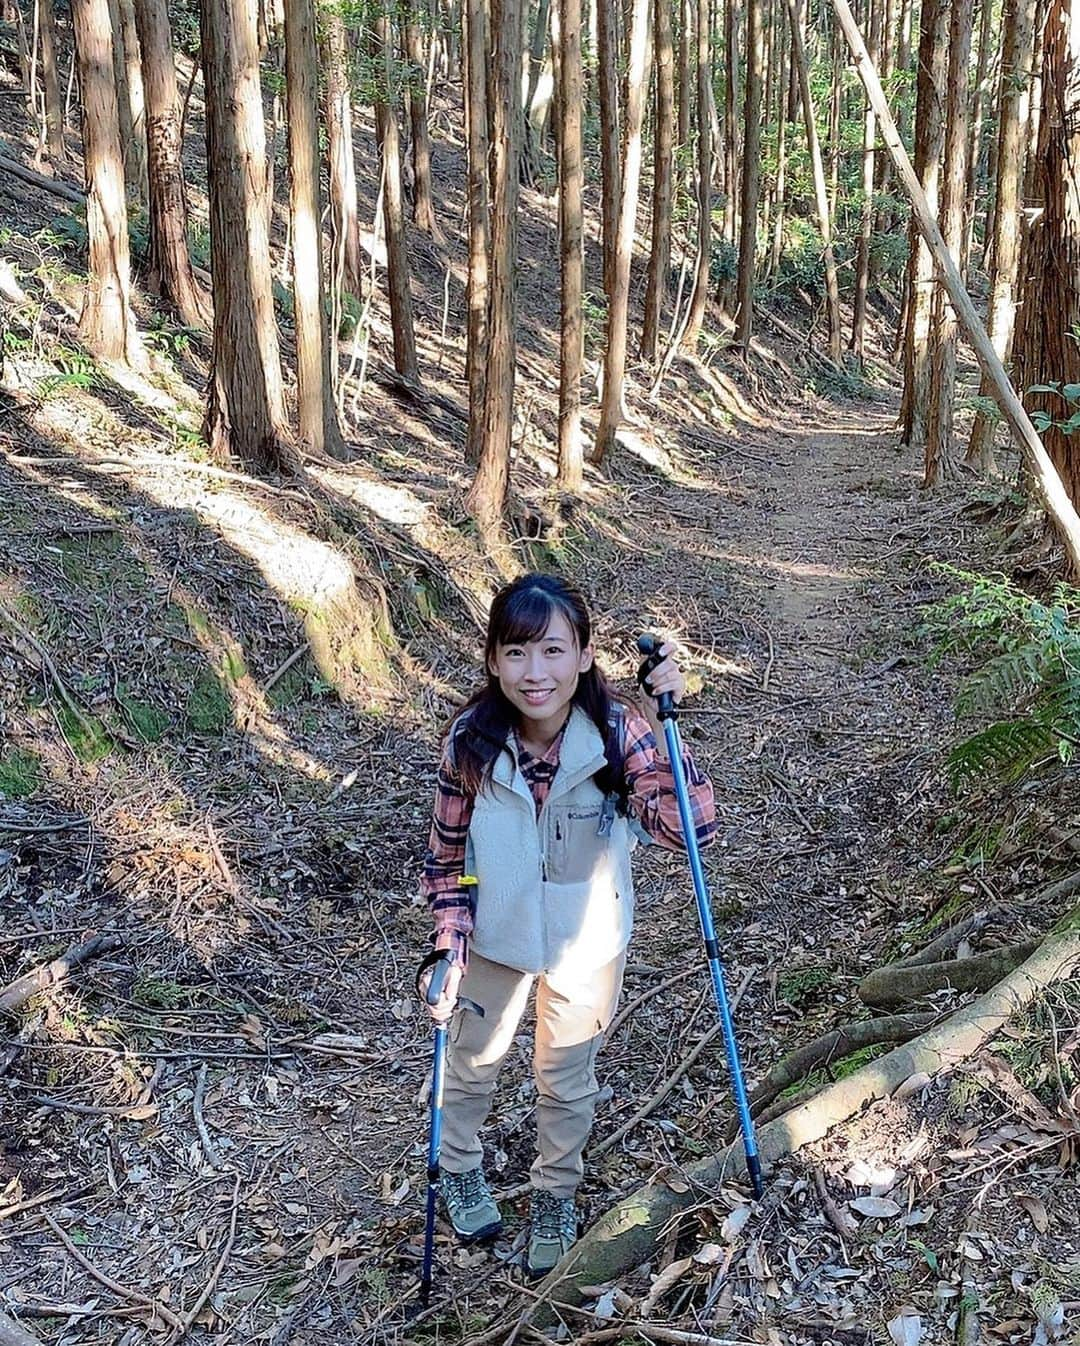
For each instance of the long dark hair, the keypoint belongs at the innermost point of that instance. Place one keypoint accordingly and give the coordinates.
(521, 612)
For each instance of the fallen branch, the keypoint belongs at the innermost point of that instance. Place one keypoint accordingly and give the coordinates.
(155, 1306)
(831, 1047)
(627, 1235)
(52, 185)
(39, 979)
(889, 987)
(215, 1275)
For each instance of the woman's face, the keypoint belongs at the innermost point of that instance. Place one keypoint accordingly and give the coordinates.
(539, 677)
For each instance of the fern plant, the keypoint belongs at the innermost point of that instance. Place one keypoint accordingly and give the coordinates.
(1026, 687)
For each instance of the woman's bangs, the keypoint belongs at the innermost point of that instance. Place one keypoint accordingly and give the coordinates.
(527, 617)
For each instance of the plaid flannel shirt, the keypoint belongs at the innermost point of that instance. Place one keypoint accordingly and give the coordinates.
(651, 801)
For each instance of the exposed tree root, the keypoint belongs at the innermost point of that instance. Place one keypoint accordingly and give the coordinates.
(627, 1235)
(895, 985)
(831, 1047)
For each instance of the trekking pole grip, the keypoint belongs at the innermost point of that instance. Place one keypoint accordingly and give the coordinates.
(650, 646)
(440, 963)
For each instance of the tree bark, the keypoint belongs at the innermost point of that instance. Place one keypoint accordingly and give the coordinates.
(866, 221)
(135, 149)
(169, 271)
(317, 412)
(637, 83)
(1047, 350)
(929, 141)
(530, 154)
(50, 73)
(939, 459)
(821, 196)
(344, 215)
(686, 78)
(245, 412)
(607, 44)
(106, 325)
(704, 181)
(1044, 475)
(730, 151)
(660, 254)
(571, 246)
(976, 175)
(476, 132)
(397, 256)
(1013, 116)
(423, 201)
(751, 178)
(487, 496)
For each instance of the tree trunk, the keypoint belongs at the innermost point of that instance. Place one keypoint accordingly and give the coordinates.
(1047, 351)
(486, 500)
(1016, 53)
(344, 216)
(866, 222)
(530, 161)
(170, 273)
(571, 245)
(751, 177)
(423, 202)
(704, 181)
(731, 126)
(637, 83)
(317, 413)
(939, 461)
(476, 132)
(821, 196)
(783, 59)
(660, 254)
(397, 256)
(976, 177)
(929, 141)
(686, 77)
(135, 150)
(607, 57)
(246, 414)
(50, 72)
(106, 325)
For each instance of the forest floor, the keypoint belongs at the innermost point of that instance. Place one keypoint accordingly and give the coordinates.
(217, 1128)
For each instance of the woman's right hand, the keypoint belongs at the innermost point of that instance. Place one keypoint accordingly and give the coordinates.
(447, 1001)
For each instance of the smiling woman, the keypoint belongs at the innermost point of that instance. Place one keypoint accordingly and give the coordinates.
(548, 780)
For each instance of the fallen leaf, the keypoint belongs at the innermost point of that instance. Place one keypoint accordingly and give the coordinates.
(709, 1254)
(1035, 1210)
(906, 1329)
(874, 1207)
(914, 1084)
(669, 1277)
(734, 1223)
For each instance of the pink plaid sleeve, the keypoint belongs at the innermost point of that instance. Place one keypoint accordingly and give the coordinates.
(452, 907)
(651, 788)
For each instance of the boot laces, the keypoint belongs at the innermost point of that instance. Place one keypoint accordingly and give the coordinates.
(554, 1217)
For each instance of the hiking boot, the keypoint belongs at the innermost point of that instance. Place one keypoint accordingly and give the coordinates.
(470, 1205)
(554, 1230)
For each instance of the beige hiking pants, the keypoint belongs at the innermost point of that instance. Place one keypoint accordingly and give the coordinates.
(572, 1016)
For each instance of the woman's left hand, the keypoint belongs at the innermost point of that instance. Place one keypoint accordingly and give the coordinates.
(667, 676)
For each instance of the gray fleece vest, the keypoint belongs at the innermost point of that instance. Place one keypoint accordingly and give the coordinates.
(554, 892)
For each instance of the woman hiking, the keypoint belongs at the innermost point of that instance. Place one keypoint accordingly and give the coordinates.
(548, 779)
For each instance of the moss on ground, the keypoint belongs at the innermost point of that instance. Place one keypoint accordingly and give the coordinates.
(20, 773)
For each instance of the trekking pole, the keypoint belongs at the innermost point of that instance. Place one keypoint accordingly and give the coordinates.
(667, 712)
(440, 963)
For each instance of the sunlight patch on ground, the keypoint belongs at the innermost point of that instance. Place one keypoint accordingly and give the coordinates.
(394, 504)
(796, 569)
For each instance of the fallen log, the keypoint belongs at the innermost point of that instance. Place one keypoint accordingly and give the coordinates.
(627, 1235)
(894, 985)
(52, 185)
(833, 1046)
(38, 979)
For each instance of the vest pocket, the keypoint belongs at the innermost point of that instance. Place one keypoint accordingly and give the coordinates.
(576, 854)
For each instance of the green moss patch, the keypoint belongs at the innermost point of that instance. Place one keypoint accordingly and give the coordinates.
(86, 736)
(208, 709)
(20, 773)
